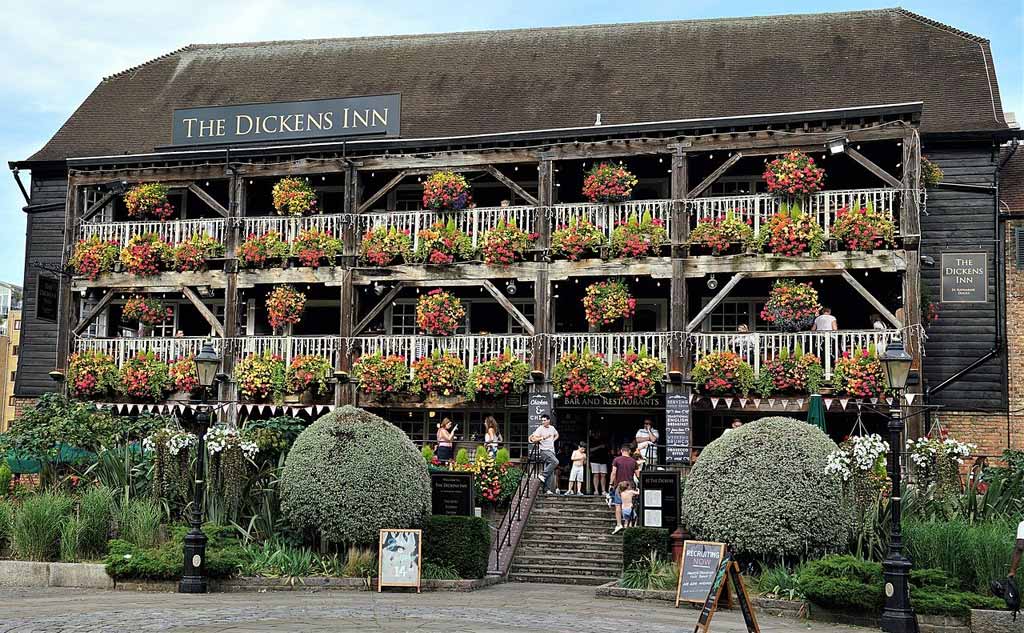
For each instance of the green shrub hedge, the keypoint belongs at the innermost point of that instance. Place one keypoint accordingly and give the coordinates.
(639, 542)
(458, 542)
(166, 562)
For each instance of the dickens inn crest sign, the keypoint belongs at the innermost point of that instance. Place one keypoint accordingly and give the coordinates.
(294, 120)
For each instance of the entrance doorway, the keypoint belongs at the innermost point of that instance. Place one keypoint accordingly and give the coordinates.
(597, 428)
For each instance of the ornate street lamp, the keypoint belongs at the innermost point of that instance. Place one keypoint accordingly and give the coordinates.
(898, 616)
(194, 579)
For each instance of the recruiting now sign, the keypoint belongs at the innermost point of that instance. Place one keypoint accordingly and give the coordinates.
(964, 278)
(294, 120)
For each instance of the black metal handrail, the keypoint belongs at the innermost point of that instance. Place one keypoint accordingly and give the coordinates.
(531, 469)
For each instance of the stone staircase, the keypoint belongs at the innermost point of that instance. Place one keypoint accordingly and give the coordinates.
(568, 540)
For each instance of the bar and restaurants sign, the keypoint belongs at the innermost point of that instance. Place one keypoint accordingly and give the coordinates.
(964, 278)
(289, 120)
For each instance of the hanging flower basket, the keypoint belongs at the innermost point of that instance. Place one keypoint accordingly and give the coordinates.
(937, 460)
(794, 174)
(258, 251)
(294, 196)
(439, 374)
(931, 173)
(638, 237)
(383, 246)
(439, 312)
(606, 302)
(860, 461)
(863, 228)
(184, 375)
(608, 182)
(443, 243)
(148, 200)
(93, 257)
(722, 235)
(284, 306)
(92, 374)
(145, 377)
(193, 254)
(637, 375)
(859, 375)
(222, 439)
(581, 374)
(446, 191)
(147, 255)
(789, 232)
(146, 310)
(722, 374)
(314, 248)
(381, 375)
(261, 377)
(506, 243)
(308, 374)
(499, 376)
(790, 374)
(577, 237)
(791, 306)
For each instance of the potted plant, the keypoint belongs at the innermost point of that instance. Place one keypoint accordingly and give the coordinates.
(606, 302)
(284, 306)
(722, 235)
(937, 459)
(261, 377)
(184, 377)
(863, 228)
(146, 254)
(794, 174)
(859, 374)
(723, 373)
(439, 312)
(581, 373)
(608, 182)
(637, 375)
(294, 196)
(314, 247)
(446, 191)
(145, 377)
(307, 377)
(148, 200)
(931, 173)
(789, 232)
(380, 375)
(795, 373)
(93, 257)
(147, 311)
(384, 245)
(861, 463)
(638, 237)
(92, 374)
(193, 254)
(443, 243)
(439, 374)
(258, 251)
(791, 306)
(506, 243)
(577, 237)
(499, 376)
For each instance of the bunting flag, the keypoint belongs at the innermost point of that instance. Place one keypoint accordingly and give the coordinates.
(691, 398)
(714, 403)
(729, 401)
(843, 402)
(757, 402)
(888, 401)
(799, 402)
(309, 410)
(910, 397)
(874, 401)
(743, 402)
(828, 403)
(771, 402)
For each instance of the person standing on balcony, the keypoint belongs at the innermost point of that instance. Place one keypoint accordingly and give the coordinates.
(825, 322)
(877, 323)
(647, 442)
(545, 435)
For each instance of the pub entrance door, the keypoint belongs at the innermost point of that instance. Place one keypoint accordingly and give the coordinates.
(609, 428)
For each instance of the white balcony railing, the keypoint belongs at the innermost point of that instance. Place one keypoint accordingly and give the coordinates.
(288, 347)
(612, 346)
(823, 205)
(289, 227)
(473, 222)
(470, 348)
(170, 231)
(607, 216)
(756, 347)
(167, 349)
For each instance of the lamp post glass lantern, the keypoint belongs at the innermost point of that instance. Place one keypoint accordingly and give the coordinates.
(194, 578)
(898, 616)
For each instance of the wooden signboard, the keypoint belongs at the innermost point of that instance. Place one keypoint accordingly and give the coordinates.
(451, 494)
(399, 558)
(699, 568)
(728, 571)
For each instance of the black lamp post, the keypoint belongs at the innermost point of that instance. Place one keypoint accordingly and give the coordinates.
(898, 616)
(194, 579)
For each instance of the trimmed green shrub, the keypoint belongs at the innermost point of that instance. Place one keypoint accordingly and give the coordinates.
(501, 457)
(70, 540)
(96, 514)
(5, 478)
(481, 454)
(139, 523)
(35, 531)
(842, 583)
(126, 560)
(351, 474)
(428, 453)
(462, 457)
(768, 508)
(640, 543)
(463, 543)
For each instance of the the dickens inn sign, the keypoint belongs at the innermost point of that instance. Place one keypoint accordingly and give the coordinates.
(325, 118)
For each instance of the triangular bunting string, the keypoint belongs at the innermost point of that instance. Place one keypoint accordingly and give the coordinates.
(714, 403)
(828, 403)
(743, 402)
(757, 402)
(728, 402)
(691, 398)
(799, 402)
(910, 398)
(771, 402)
(843, 402)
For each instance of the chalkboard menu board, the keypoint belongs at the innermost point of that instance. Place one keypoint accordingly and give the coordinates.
(677, 428)
(659, 499)
(47, 291)
(749, 618)
(538, 405)
(718, 583)
(699, 570)
(451, 494)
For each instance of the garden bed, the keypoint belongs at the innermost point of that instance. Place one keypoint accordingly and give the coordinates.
(238, 585)
(613, 590)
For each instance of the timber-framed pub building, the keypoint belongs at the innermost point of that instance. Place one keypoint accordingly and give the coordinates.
(695, 111)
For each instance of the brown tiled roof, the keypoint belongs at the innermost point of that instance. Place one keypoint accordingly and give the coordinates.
(530, 79)
(1011, 179)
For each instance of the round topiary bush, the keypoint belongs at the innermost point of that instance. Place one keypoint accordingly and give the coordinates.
(351, 474)
(763, 489)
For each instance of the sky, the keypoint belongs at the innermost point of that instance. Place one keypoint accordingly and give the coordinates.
(52, 54)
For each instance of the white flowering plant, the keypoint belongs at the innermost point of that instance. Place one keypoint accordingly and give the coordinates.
(861, 454)
(925, 450)
(174, 439)
(221, 438)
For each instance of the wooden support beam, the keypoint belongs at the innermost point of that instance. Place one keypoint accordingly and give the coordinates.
(203, 310)
(208, 199)
(391, 184)
(511, 184)
(875, 303)
(65, 317)
(95, 207)
(715, 175)
(542, 321)
(910, 214)
(377, 309)
(511, 309)
(546, 198)
(718, 298)
(678, 308)
(95, 311)
(680, 185)
(871, 166)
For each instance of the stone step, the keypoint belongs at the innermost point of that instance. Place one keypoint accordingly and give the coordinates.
(581, 522)
(560, 579)
(582, 548)
(559, 560)
(577, 571)
(549, 535)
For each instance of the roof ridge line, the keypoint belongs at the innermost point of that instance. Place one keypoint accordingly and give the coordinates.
(147, 63)
(942, 26)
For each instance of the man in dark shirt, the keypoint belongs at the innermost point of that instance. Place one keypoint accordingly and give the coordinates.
(623, 469)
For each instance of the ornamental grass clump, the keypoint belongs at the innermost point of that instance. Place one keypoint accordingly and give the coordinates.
(93, 257)
(790, 233)
(723, 374)
(383, 246)
(863, 228)
(443, 243)
(638, 237)
(439, 374)
(791, 306)
(506, 243)
(195, 253)
(36, 528)
(146, 310)
(381, 375)
(637, 375)
(92, 374)
(794, 174)
(859, 374)
(261, 377)
(439, 312)
(285, 305)
(148, 200)
(608, 182)
(783, 507)
(723, 234)
(258, 251)
(446, 191)
(308, 373)
(499, 376)
(578, 237)
(146, 255)
(581, 374)
(606, 302)
(314, 247)
(294, 196)
(145, 377)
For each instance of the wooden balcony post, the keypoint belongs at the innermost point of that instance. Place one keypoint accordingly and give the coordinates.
(350, 238)
(66, 315)
(343, 393)
(546, 198)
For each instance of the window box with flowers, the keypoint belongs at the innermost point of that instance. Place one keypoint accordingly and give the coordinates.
(93, 257)
(439, 313)
(92, 374)
(314, 248)
(859, 375)
(443, 243)
(383, 246)
(790, 374)
(195, 253)
(261, 377)
(439, 375)
(606, 302)
(795, 174)
(581, 374)
(294, 196)
(147, 255)
(506, 243)
(608, 182)
(724, 235)
(263, 251)
(723, 374)
(791, 306)
(381, 376)
(497, 377)
(863, 229)
(576, 239)
(145, 377)
(637, 375)
(147, 311)
(307, 377)
(638, 237)
(790, 233)
(148, 201)
(284, 307)
(184, 377)
(446, 191)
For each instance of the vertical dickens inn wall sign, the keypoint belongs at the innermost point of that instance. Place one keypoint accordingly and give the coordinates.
(964, 277)
(324, 118)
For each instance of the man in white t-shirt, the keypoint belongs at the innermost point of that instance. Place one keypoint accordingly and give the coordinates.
(825, 322)
(647, 442)
(545, 436)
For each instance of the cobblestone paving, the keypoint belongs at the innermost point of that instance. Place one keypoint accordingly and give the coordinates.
(507, 607)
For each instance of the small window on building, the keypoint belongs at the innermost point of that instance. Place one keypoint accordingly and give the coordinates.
(17, 324)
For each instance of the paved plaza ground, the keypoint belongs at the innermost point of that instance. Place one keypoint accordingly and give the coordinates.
(506, 607)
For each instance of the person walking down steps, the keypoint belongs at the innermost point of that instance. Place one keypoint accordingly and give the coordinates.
(545, 435)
